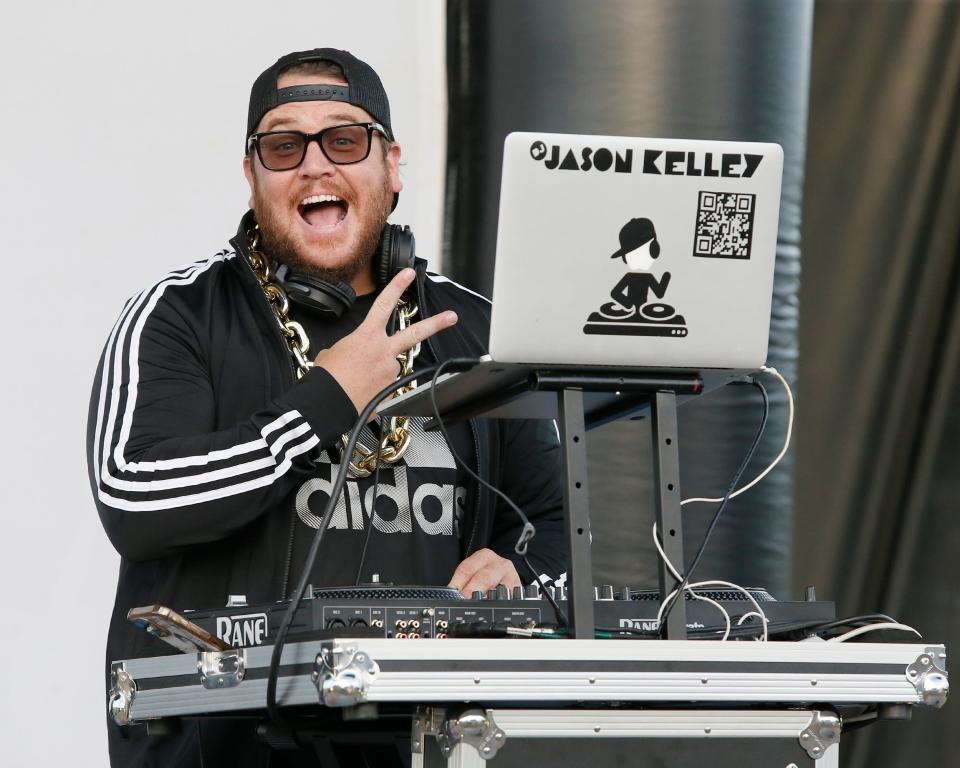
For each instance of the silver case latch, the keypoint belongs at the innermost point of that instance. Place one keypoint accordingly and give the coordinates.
(822, 732)
(343, 673)
(221, 669)
(475, 727)
(123, 689)
(928, 674)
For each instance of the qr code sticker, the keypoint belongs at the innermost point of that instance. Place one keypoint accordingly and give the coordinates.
(724, 225)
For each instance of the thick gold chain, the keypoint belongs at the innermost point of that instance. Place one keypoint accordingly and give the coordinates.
(393, 444)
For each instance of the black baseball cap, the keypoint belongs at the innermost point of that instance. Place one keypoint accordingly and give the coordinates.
(633, 234)
(363, 88)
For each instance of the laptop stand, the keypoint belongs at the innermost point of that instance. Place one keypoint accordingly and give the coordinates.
(632, 393)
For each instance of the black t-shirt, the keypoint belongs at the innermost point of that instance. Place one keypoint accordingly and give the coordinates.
(420, 500)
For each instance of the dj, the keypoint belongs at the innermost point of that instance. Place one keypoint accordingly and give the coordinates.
(214, 435)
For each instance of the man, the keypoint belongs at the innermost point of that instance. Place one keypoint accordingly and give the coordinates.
(213, 442)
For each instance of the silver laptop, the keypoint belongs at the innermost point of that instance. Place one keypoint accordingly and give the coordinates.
(634, 253)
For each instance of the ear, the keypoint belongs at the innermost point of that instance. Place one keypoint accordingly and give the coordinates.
(393, 167)
(248, 172)
(655, 248)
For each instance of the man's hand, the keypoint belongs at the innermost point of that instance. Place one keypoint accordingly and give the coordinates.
(483, 570)
(365, 361)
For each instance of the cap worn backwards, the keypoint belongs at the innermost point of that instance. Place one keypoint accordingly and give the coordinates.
(363, 88)
(635, 233)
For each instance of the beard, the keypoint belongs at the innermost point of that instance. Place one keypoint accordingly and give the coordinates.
(280, 244)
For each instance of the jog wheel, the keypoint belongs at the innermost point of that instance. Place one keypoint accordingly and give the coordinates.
(614, 311)
(657, 310)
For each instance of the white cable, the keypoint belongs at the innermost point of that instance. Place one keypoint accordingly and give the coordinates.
(872, 628)
(676, 575)
(695, 596)
(783, 451)
(750, 615)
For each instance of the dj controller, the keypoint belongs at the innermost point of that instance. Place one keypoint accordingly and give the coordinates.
(411, 613)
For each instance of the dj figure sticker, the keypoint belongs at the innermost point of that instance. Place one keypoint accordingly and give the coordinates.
(636, 309)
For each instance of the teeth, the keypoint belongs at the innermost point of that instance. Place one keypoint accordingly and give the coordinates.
(320, 199)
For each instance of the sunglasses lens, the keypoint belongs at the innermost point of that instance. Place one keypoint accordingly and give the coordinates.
(346, 143)
(281, 151)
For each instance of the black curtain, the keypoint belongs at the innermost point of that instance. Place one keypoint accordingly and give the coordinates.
(678, 68)
(877, 470)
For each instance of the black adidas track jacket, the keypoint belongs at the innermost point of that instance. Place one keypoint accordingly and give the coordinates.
(199, 432)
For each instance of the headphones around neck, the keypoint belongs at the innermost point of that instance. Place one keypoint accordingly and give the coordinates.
(395, 251)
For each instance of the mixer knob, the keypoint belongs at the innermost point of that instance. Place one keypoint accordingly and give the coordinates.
(625, 594)
(491, 594)
(553, 591)
(476, 595)
(562, 593)
(503, 592)
(606, 592)
(531, 591)
(516, 593)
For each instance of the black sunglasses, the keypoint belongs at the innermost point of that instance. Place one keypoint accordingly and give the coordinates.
(340, 144)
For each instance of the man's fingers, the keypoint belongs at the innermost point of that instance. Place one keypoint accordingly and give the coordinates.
(467, 568)
(462, 575)
(489, 577)
(384, 305)
(386, 302)
(411, 336)
(483, 570)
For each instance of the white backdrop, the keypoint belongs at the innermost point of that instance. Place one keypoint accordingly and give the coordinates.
(121, 139)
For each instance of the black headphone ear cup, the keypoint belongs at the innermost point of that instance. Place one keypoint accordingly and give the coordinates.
(655, 248)
(383, 267)
(330, 300)
(397, 250)
(404, 249)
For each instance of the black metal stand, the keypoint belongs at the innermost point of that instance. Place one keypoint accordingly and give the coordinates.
(666, 475)
(666, 468)
(576, 508)
(634, 391)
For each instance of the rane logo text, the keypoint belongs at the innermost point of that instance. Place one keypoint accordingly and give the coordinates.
(242, 631)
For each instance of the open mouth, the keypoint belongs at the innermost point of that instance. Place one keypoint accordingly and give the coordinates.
(322, 211)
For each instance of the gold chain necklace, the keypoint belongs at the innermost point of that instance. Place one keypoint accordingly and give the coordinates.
(363, 460)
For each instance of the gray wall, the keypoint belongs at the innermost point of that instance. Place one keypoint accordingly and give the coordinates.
(121, 133)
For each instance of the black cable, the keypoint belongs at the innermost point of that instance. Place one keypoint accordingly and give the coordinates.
(391, 329)
(679, 594)
(373, 504)
(335, 492)
(561, 616)
(527, 531)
